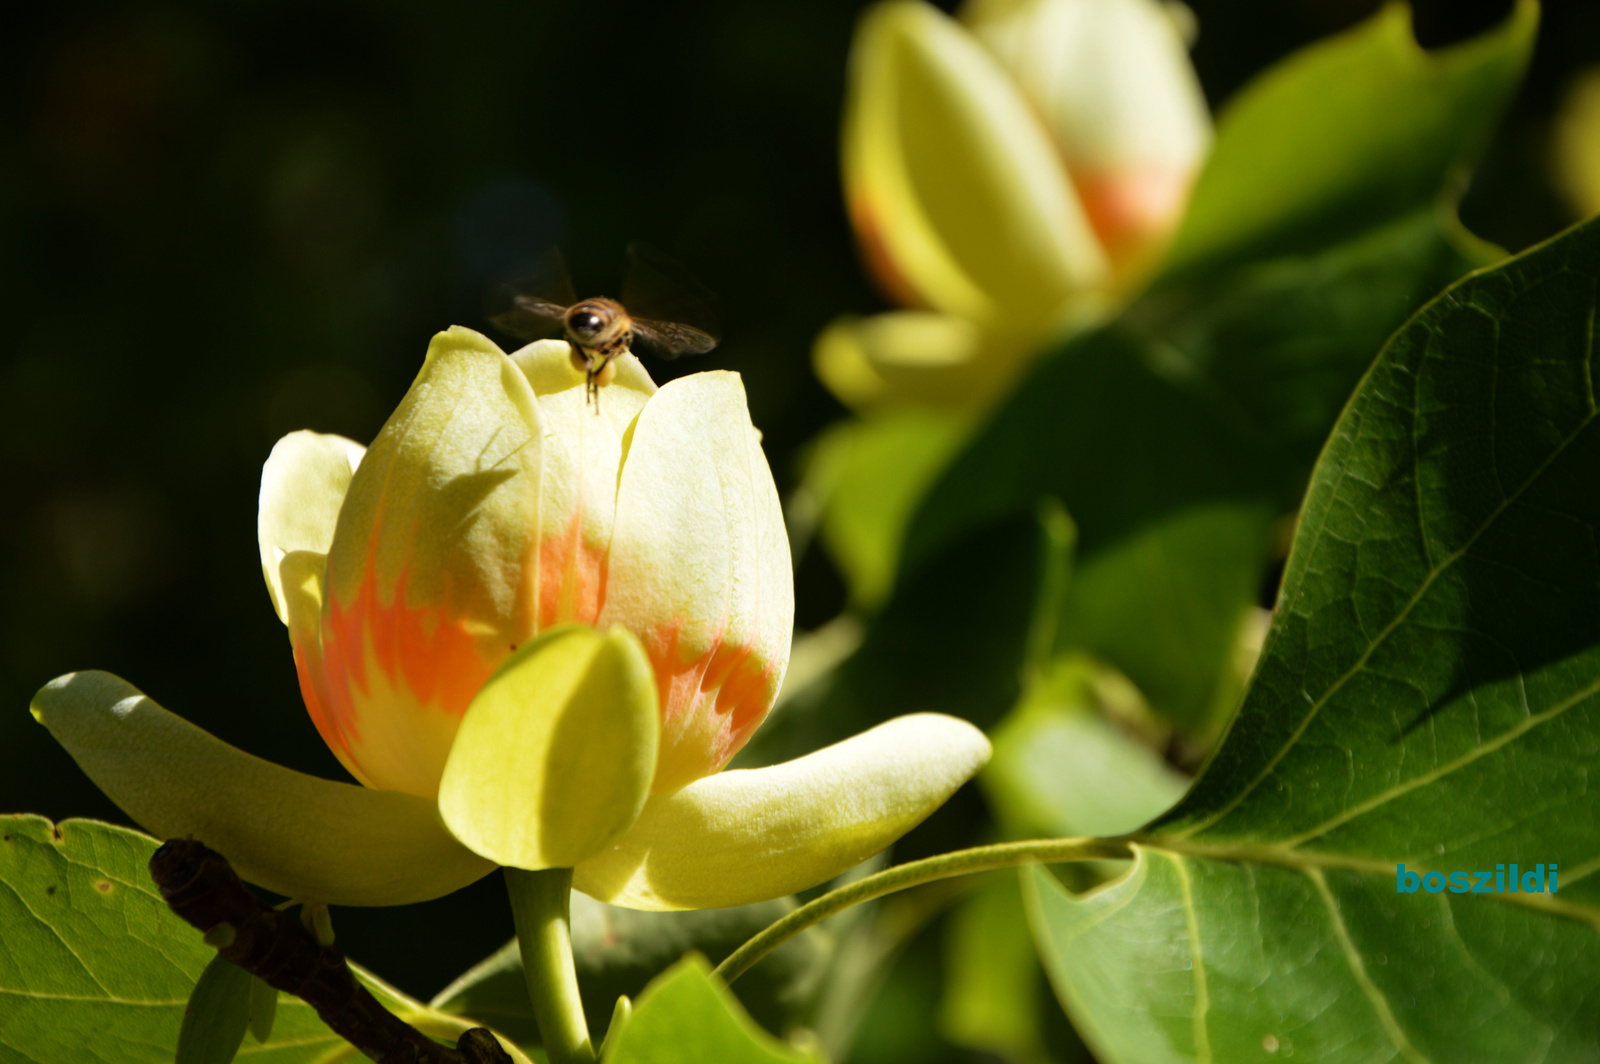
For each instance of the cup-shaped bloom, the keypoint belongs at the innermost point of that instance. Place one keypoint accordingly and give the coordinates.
(531, 626)
(1021, 173)
(496, 503)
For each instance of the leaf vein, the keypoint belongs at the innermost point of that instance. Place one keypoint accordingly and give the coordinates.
(1202, 998)
(1527, 724)
(1388, 629)
(1358, 969)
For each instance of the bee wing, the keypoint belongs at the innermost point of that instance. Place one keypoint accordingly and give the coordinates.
(529, 318)
(669, 339)
(661, 290)
(532, 307)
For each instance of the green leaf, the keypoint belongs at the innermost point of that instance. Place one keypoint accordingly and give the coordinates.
(618, 951)
(217, 1015)
(1429, 695)
(1350, 133)
(687, 1016)
(263, 1009)
(992, 986)
(1061, 768)
(865, 478)
(94, 966)
(1175, 437)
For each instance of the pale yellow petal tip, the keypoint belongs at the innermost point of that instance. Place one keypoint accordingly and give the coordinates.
(958, 745)
(549, 368)
(460, 338)
(90, 690)
(303, 484)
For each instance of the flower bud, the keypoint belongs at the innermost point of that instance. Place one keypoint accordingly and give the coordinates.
(960, 201)
(1113, 82)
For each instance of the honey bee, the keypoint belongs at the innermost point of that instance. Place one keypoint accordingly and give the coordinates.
(601, 330)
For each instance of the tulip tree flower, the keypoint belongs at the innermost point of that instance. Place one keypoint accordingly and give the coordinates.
(534, 628)
(1009, 177)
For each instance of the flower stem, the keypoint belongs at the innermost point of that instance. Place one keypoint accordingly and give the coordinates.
(912, 874)
(541, 905)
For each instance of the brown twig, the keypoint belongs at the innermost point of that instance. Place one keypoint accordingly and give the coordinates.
(202, 888)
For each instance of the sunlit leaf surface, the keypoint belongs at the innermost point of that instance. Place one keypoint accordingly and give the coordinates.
(688, 1016)
(1429, 695)
(95, 967)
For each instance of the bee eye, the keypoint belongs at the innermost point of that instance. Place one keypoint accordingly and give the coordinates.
(585, 324)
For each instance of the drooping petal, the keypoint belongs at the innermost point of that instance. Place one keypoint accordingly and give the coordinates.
(751, 834)
(288, 832)
(432, 571)
(1113, 81)
(303, 484)
(699, 569)
(582, 451)
(955, 190)
(553, 761)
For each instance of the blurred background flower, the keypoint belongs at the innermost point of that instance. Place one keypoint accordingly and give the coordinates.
(1007, 181)
(1011, 178)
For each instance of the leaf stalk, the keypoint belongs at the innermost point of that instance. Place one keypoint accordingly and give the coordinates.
(913, 874)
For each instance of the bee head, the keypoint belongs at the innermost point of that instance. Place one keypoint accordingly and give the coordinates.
(586, 321)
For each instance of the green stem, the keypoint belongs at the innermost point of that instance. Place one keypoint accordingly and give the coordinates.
(540, 904)
(912, 874)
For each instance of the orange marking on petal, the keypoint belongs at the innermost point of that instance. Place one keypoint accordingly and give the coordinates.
(311, 680)
(710, 703)
(880, 262)
(430, 662)
(313, 690)
(1131, 210)
(572, 577)
(435, 657)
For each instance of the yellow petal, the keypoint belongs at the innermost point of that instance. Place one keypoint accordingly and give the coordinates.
(434, 563)
(751, 834)
(548, 366)
(699, 569)
(554, 760)
(1113, 81)
(283, 830)
(582, 453)
(303, 484)
(958, 197)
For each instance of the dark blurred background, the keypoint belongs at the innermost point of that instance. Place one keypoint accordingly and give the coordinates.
(219, 223)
